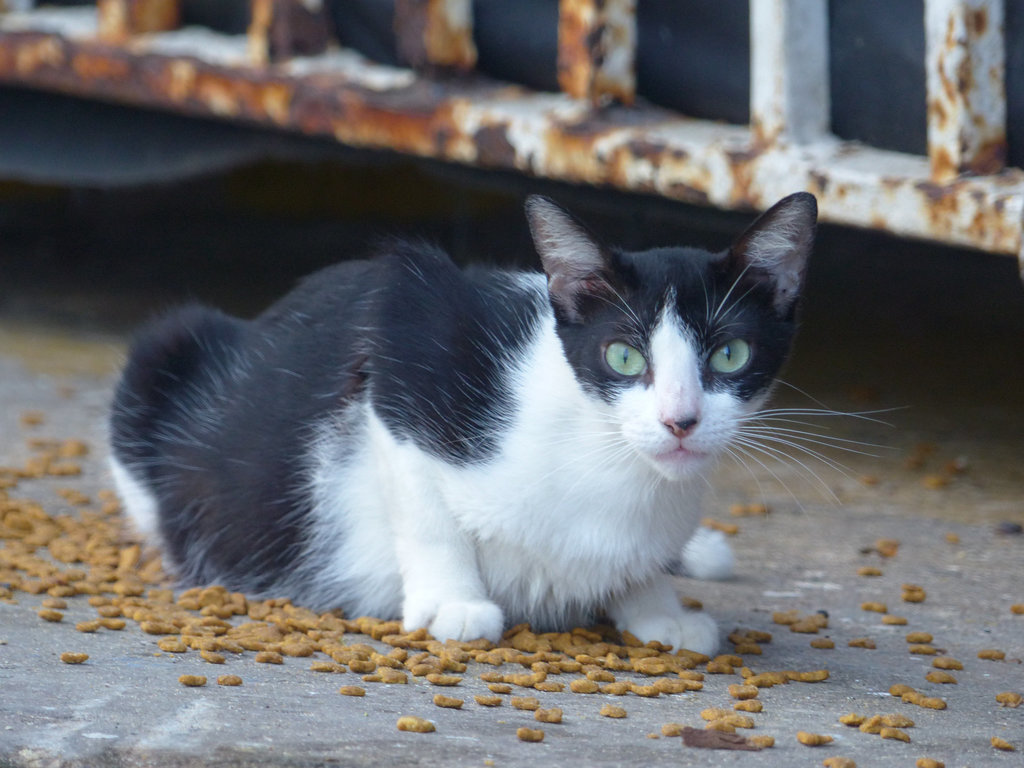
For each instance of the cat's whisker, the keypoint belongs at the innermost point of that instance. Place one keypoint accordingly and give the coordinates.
(749, 448)
(743, 449)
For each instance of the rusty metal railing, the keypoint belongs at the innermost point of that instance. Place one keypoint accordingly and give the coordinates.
(287, 73)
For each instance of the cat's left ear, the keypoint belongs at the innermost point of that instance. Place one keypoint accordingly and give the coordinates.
(777, 246)
(576, 265)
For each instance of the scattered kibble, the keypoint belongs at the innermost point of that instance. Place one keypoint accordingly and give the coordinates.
(1009, 699)
(823, 643)
(876, 607)
(610, 710)
(192, 681)
(991, 654)
(946, 662)
(529, 703)
(530, 734)
(838, 762)
(762, 741)
(415, 724)
(913, 593)
(862, 642)
(1003, 744)
(869, 570)
(352, 690)
(919, 637)
(895, 734)
(813, 739)
(229, 680)
(940, 676)
(894, 620)
(447, 702)
(927, 762)
(672, 729)
(71, 657)
(853, 719)
(553, 715)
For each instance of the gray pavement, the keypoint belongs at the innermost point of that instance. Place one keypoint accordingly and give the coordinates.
(125, 705)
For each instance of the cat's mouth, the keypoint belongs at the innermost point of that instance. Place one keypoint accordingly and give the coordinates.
(680, 456)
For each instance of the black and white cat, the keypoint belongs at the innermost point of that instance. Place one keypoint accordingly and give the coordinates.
(463, 449)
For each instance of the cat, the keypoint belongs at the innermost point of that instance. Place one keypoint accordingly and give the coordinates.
(463, 449)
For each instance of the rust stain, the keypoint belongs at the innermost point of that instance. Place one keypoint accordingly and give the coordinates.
(90, 66)
(493, 147)
(118, 20)
(989, 158)
(435, 35)
(977, 21)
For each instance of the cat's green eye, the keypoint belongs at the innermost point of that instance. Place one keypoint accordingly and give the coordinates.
(730, 357)
(624, 359)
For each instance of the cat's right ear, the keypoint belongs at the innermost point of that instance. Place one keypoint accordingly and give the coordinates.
(777, 245)
(575, 264)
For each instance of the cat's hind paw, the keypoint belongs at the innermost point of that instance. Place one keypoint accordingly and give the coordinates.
(461, 620)
(692, 630)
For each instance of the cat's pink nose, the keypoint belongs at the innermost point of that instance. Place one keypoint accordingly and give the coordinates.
(681, 427)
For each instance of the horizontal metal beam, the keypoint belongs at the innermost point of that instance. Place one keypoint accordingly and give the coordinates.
(494, 125)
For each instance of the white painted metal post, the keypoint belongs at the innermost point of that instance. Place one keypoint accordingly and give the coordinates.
(965, 68)
(789, 89)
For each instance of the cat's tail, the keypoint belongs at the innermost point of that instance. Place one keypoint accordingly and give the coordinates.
(174, 360)
(707, 555)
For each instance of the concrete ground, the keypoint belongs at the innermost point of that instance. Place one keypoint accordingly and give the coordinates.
(929, 338)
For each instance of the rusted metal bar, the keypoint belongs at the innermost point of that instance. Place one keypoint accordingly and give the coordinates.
(789, 87)
(965, 71)
(119, 20)
(489, 124)
(281, 29)
(597, 50)
(435, 34)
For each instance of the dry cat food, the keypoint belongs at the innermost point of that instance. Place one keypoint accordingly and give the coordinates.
(823, 643)
(610, 710)
(762, 741)
(1003, 744)
(927, 762)
(941, 677)
(1009, 699)
(415, 724)
(875, 607)
(530, 734)
(946, 662)
(229, 680)
(894, 620)
(192, 681)
(813, 739)
(71, 657)
(838, 762)
(862, 642)
(894, 733)
(869, 570)
(992, 654)
(913, 593)
(447, 702)
(352, 690)
(553, 715)
(853, 719)
(529, 703)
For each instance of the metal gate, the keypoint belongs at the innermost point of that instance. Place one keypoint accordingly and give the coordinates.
(286, 72)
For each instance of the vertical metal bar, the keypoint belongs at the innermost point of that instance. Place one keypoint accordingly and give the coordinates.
(965, 75)
(281, 29)
(435, 34)
(789, 90)
(118, 20)
(597, 50)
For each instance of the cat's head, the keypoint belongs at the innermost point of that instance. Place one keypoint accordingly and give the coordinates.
(679, 344)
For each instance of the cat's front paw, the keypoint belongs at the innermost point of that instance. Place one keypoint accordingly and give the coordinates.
(461, 620)
(691, 630)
